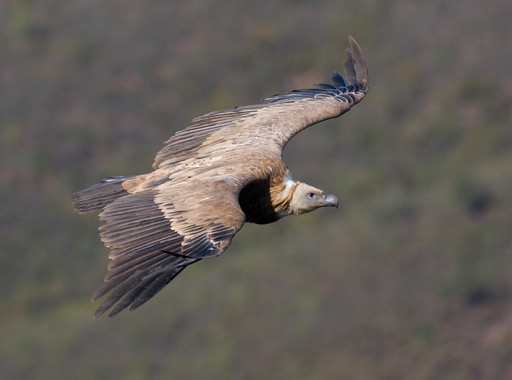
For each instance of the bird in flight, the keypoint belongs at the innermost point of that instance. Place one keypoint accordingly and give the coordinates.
(210, 178)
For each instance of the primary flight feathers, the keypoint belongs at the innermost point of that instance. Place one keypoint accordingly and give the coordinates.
(225, 169)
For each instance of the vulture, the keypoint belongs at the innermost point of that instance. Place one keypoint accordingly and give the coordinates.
(210, 178)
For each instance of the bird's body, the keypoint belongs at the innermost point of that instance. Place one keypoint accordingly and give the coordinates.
(209, 179)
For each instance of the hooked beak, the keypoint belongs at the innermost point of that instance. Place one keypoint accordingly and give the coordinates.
(330, 200)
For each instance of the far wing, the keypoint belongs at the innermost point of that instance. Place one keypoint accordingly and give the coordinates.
(155, 234)
(269, 126)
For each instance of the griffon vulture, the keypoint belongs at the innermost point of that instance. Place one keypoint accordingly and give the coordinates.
(225, 169)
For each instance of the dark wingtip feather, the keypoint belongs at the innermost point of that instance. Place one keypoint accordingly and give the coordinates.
(338, 79)
(355, 65)
(157, 284)
(133, 294)
(120, 290)
(350, 69)
(135, 291)
(325, 86)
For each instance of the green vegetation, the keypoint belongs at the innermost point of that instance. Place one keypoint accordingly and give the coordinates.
(411, 278)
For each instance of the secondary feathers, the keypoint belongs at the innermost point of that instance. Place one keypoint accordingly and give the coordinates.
(225, 169)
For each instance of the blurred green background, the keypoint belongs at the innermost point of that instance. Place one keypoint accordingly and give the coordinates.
(411, 278)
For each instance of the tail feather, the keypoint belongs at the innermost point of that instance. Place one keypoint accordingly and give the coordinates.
(98, 196)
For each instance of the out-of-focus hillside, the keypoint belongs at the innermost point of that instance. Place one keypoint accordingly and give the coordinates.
(410, 278)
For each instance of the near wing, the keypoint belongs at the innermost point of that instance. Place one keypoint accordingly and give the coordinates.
(156, 233)
(272, 124)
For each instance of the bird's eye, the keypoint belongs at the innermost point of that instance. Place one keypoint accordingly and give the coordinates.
(311, 195)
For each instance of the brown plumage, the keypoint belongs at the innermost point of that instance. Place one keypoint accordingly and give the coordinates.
(223, 170)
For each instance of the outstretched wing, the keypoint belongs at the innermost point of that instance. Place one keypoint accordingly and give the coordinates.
(156, 233)
(273, 124)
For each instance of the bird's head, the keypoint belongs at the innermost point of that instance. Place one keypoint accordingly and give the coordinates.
(306, 198)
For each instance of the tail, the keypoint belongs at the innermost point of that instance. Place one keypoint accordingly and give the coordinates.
(98, 196)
